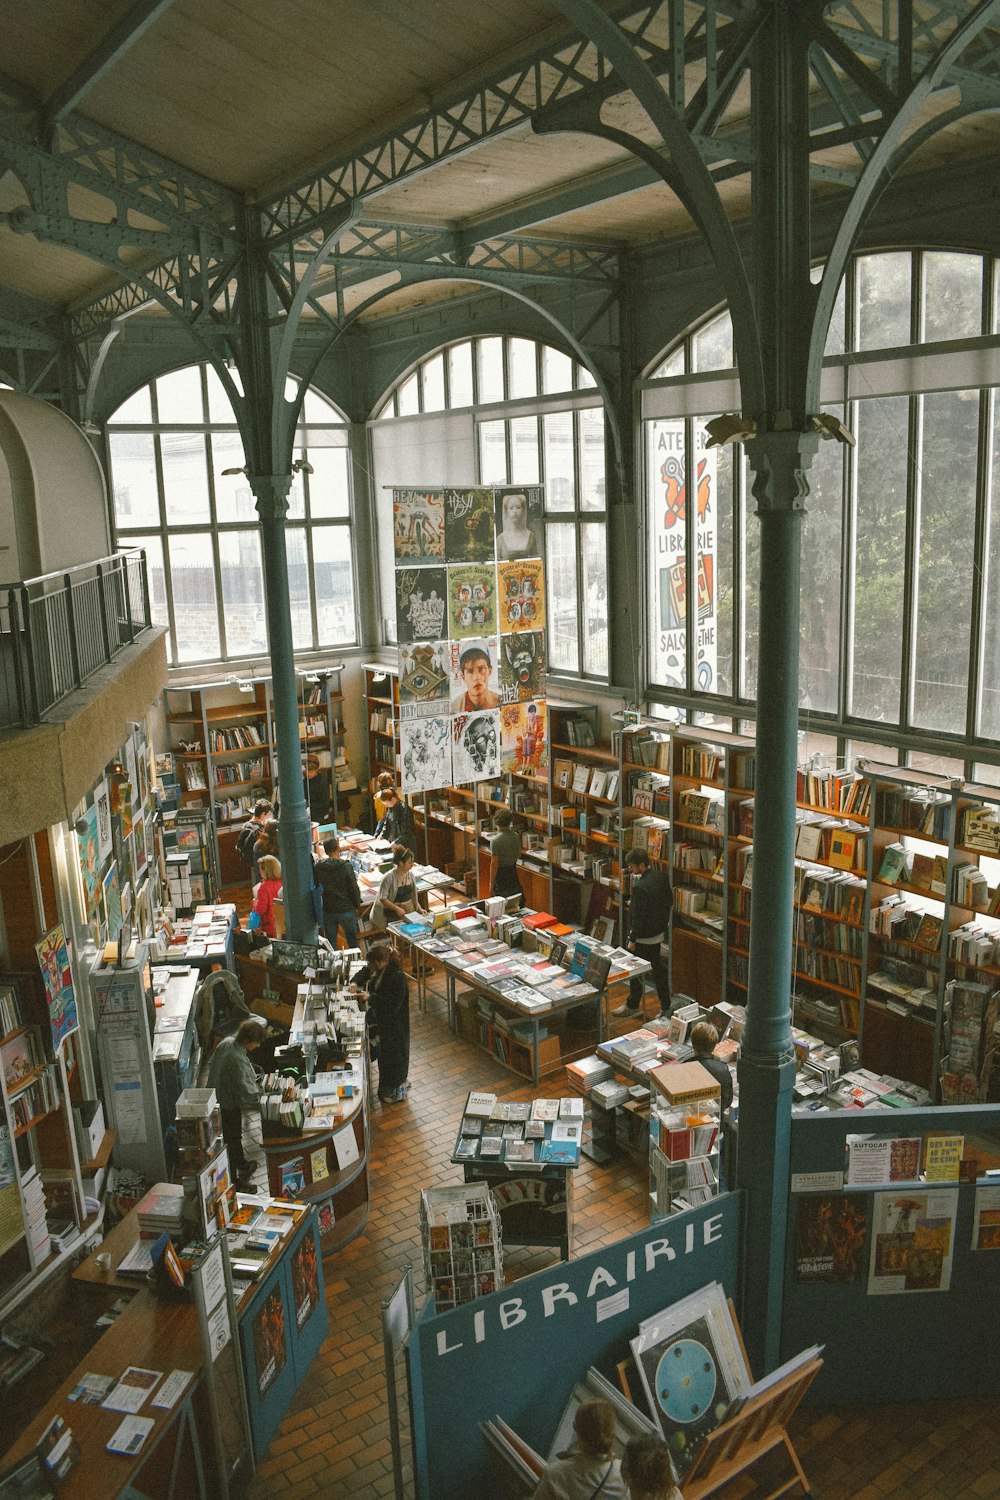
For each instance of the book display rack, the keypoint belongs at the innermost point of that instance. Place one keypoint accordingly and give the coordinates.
(683, 1138)
(462, 1244)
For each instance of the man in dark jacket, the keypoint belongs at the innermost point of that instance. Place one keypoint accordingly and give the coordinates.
(249, 833)
(704, 1039)
(341, 896)
(649, 918)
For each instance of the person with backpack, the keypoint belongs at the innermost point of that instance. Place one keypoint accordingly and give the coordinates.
(246, 839)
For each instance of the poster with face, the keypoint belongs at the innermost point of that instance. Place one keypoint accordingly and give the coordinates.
(521, 595)
(418, 524)
(474, 680)
(523, 747)
(472, 600)
(102, 808)
(468, 525)
(424, 678)
(475, 746)
(425, 754)
(522, 666)
(421, 604)
(519, 523)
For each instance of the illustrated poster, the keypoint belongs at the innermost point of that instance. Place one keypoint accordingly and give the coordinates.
(685, 1380)
(829, 1238)
(472, 600)
(522, 666)
(475, 746)
(305, 1280)
(269, 1341)
(519, 523)
(418, 523)
(90, 859)
(421, 603)
(140, 848)
(468, 525)
(425, 754)
(53, 957)
(112, 903)
(667, 484)
(986, 1219)
(102, 807)
(913, 1237)
(523, 738)
(474, 680)
(521, 595)
(424, 678)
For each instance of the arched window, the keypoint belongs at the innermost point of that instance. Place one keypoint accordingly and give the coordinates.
(532, 416)
(170, 446)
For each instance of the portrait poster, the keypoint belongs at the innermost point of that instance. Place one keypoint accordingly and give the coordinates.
(102, 807)
(523, 748)
(521, 595)
(424, 678)
(829, 1238)
(520, 525)
(90, 859)
(475, 684)
(468, 525)
(472, 600)
(421, 604)
(53, 958)
(305, 1280)
(475, 746)
(913, 1236)
(418, 524)
(425, 754)
(269, 1340)
(522, 666)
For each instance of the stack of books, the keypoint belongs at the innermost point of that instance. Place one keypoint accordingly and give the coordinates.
(161, 1211)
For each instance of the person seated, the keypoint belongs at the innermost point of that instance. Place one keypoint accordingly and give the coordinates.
(647, 1470)
(586, 1469)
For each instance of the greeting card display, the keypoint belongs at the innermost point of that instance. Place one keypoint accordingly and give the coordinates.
(522, 738)
(472, 600)
(421, 603)
(468, 525)
(521, 593)
(519, 522)
(425, 753)
(522, 666)
(473, 670)
(475, 746)
(424, 679)
(418, 523)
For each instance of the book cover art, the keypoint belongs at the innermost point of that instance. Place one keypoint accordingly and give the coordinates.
(475, 746)
(829, 1238)
(522, 666)
(468, 525)
(521, 592)
(269, 1340)
(305, 1280)
(293, 1177)
(523, 738)
(472, 600)
(472, 665)
(423, 679)
(425, 754)
(520, 525)
(421, 603)
(418, 524)
(686, 1386)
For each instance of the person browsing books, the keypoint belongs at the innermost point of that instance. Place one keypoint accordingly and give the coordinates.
(505, 846)
(476, 669)
(647, 1470)
(586, 1470)
(396, 822)
(246, 839)
(233, 1077)
(649, 918)
(397, 895)
(704, 1039)
(338, 886)
(389, 998)
(266, 894)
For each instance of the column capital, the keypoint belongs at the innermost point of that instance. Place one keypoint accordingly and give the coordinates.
(271, 495)
(779, 461)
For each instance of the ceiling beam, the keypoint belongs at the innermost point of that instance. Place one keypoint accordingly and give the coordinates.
(102, 58)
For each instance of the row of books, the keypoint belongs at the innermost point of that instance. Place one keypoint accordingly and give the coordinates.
(238, 737)
(40, 1097)
(922, 810)
(239, 771)
(11, 1015)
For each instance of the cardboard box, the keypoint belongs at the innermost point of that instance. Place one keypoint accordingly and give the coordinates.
(681, 1082)
(88, 1121)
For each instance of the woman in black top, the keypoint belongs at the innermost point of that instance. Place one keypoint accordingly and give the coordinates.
(396, 823)
(389, 998)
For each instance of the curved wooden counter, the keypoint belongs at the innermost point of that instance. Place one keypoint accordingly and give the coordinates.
(341, 1196)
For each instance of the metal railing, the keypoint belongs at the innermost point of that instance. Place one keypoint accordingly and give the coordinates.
(56, 632)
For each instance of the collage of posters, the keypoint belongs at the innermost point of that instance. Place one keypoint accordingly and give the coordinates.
(470, 627)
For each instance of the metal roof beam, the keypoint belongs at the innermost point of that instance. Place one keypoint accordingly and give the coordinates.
(102, 58)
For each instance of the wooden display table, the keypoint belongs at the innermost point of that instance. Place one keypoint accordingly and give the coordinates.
(341, 1196)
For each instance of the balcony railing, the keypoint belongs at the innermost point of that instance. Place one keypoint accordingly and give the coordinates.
(56, 632)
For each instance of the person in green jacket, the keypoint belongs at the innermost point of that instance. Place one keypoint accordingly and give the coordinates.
(233, 1077)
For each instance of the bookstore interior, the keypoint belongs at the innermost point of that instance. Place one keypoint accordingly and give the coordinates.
(684, 817)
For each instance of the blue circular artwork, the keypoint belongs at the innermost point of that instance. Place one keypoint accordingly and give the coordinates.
(685, 1381)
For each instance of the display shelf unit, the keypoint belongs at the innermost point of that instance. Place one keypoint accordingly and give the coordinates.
(382, 716)
(340, 1195)
(191, 832)
(684, 1144)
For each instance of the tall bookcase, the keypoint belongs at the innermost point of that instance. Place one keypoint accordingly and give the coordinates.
(382, 714)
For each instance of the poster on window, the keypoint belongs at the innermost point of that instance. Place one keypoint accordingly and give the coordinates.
(521, 595)
(913, 1237)
(53, 958)
(522, 739)
(472, 600)
(421, 604)
(425, 754)
(519, 522)
(424, 679)
(522, 666)
(468, 525)
(667, 487)
(418, 524)
(474, 679)
(475, 746)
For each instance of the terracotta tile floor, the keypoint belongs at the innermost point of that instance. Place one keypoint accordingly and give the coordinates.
(334, 1441)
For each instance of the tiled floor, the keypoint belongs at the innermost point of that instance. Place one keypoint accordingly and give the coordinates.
(334, 1442)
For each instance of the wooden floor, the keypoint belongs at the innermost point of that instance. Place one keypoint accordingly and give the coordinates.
(334, 1442)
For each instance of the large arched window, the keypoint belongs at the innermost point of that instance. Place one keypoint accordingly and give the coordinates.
(170, 445)
(531, 416)
(901, 540)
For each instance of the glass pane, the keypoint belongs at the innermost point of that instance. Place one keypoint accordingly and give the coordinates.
(316, 408)
(751, 580)
(407, 397)
(595, 591)
(880, 526)
(153, 547)
(524, 450)
(985, 774)
(233, 496)
(712, 346)
(522, 368)
(334, 584)
(557, 432)
(185, 478)
(883, 300)
(432, 375)
(460, 375)
(939, 765)
(822, 529)
(667, 581)
(297, 498)
(557, 371)
(493, 453)
(299, 590)
(836, 338)
(564, 650)
(857, 750)
(178, 396)
(196, 611)
(945, 549)
(584, 380)
(133, 479)
(821, 749)
(329, 483)
(720, 584)
(590, 440)
(953, 296)
(242, 593)
(489, 353)
(989, 713)
(219, 406)
(138, 408)
(671, 367)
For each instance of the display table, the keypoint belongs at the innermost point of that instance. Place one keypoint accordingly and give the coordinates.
(205, 938)
(339, 1193)
(176, 1050)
